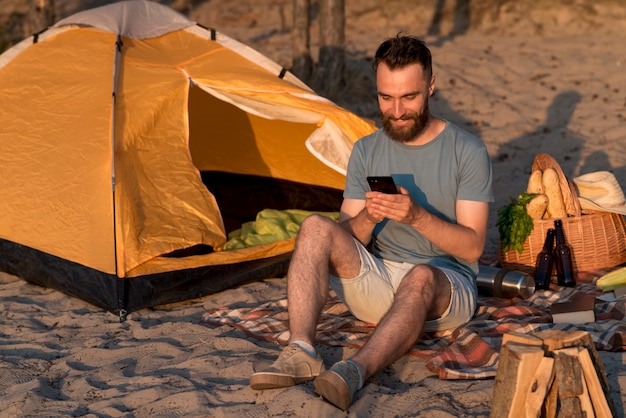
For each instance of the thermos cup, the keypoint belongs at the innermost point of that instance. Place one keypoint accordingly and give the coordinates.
(504, 283)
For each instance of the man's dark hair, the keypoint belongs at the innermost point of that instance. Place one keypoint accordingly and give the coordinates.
(401, 51)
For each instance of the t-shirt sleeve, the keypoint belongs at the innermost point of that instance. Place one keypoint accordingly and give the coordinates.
(356, 175)
(476, 174)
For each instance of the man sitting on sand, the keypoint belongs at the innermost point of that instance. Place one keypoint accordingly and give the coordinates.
(425, 241)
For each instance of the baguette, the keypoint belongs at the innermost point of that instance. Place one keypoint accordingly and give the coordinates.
(534, 182)
(552, 189)
(537, 206)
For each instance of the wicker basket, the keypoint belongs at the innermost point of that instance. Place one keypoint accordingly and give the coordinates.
(597, 239)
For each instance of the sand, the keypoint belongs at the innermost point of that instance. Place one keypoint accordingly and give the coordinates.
(525, 83)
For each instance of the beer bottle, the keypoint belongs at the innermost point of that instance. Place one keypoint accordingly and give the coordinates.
(545, 262)
(563, 258)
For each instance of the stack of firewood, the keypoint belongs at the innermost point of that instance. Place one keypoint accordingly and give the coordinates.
(550, 374)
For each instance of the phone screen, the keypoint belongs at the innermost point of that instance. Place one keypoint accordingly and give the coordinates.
(383, 184)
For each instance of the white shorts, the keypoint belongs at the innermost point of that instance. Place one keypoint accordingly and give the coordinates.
(370, 294)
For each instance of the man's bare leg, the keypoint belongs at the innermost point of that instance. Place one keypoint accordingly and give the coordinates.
(423, 294)
(322, 246)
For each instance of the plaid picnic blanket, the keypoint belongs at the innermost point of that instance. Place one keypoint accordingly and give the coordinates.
(468, 352)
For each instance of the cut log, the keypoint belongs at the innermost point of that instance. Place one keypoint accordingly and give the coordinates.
(539, 388)
(585, 399)
(569, 375)
(576, 353)
(596, 393)
(517, 367)
(520, 338)
(557, 339)
(570, 408)
(552, 400)
(552, 373)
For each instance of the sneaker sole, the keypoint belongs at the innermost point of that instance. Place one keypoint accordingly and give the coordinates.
(260, 381)
(330, 386)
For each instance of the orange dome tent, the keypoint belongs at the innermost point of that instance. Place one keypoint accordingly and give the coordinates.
(132, 136)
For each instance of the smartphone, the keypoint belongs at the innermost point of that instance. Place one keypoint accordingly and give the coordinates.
(383, 184)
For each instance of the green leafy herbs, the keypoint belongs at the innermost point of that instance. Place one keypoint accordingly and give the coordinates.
(514, 223)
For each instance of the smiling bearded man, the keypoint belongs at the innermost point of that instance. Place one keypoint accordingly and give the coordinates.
(405, 261)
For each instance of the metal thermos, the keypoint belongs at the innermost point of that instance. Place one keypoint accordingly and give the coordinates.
(504, 283)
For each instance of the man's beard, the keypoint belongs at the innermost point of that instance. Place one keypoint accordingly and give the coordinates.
(407, 133)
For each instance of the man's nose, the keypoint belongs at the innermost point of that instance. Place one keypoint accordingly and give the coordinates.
(397, 109)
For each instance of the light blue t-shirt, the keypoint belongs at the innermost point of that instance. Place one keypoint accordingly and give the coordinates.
(453, 166)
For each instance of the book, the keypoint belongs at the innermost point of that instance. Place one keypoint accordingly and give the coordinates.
(578, 310)
(613, 295)
(619, 292)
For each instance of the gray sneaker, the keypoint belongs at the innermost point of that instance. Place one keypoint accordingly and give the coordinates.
(339, 384)
(293, 366)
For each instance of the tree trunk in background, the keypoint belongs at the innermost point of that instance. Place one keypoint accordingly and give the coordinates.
(328, 78)
(302, 65)
(40, 15)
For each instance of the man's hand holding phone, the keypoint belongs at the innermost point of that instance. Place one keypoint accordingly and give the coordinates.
(377, 205)
(394, 203)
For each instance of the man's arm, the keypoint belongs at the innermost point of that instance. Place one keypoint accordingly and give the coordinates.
(354, 218)
(465, 239)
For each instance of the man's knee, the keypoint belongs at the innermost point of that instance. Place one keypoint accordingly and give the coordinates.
(433, 287)
(423, 276)
(430, 282)
(317, 225)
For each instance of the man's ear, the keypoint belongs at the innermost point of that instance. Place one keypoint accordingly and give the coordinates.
(431, 87)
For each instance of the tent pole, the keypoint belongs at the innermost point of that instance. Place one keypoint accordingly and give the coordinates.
(121, 285)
